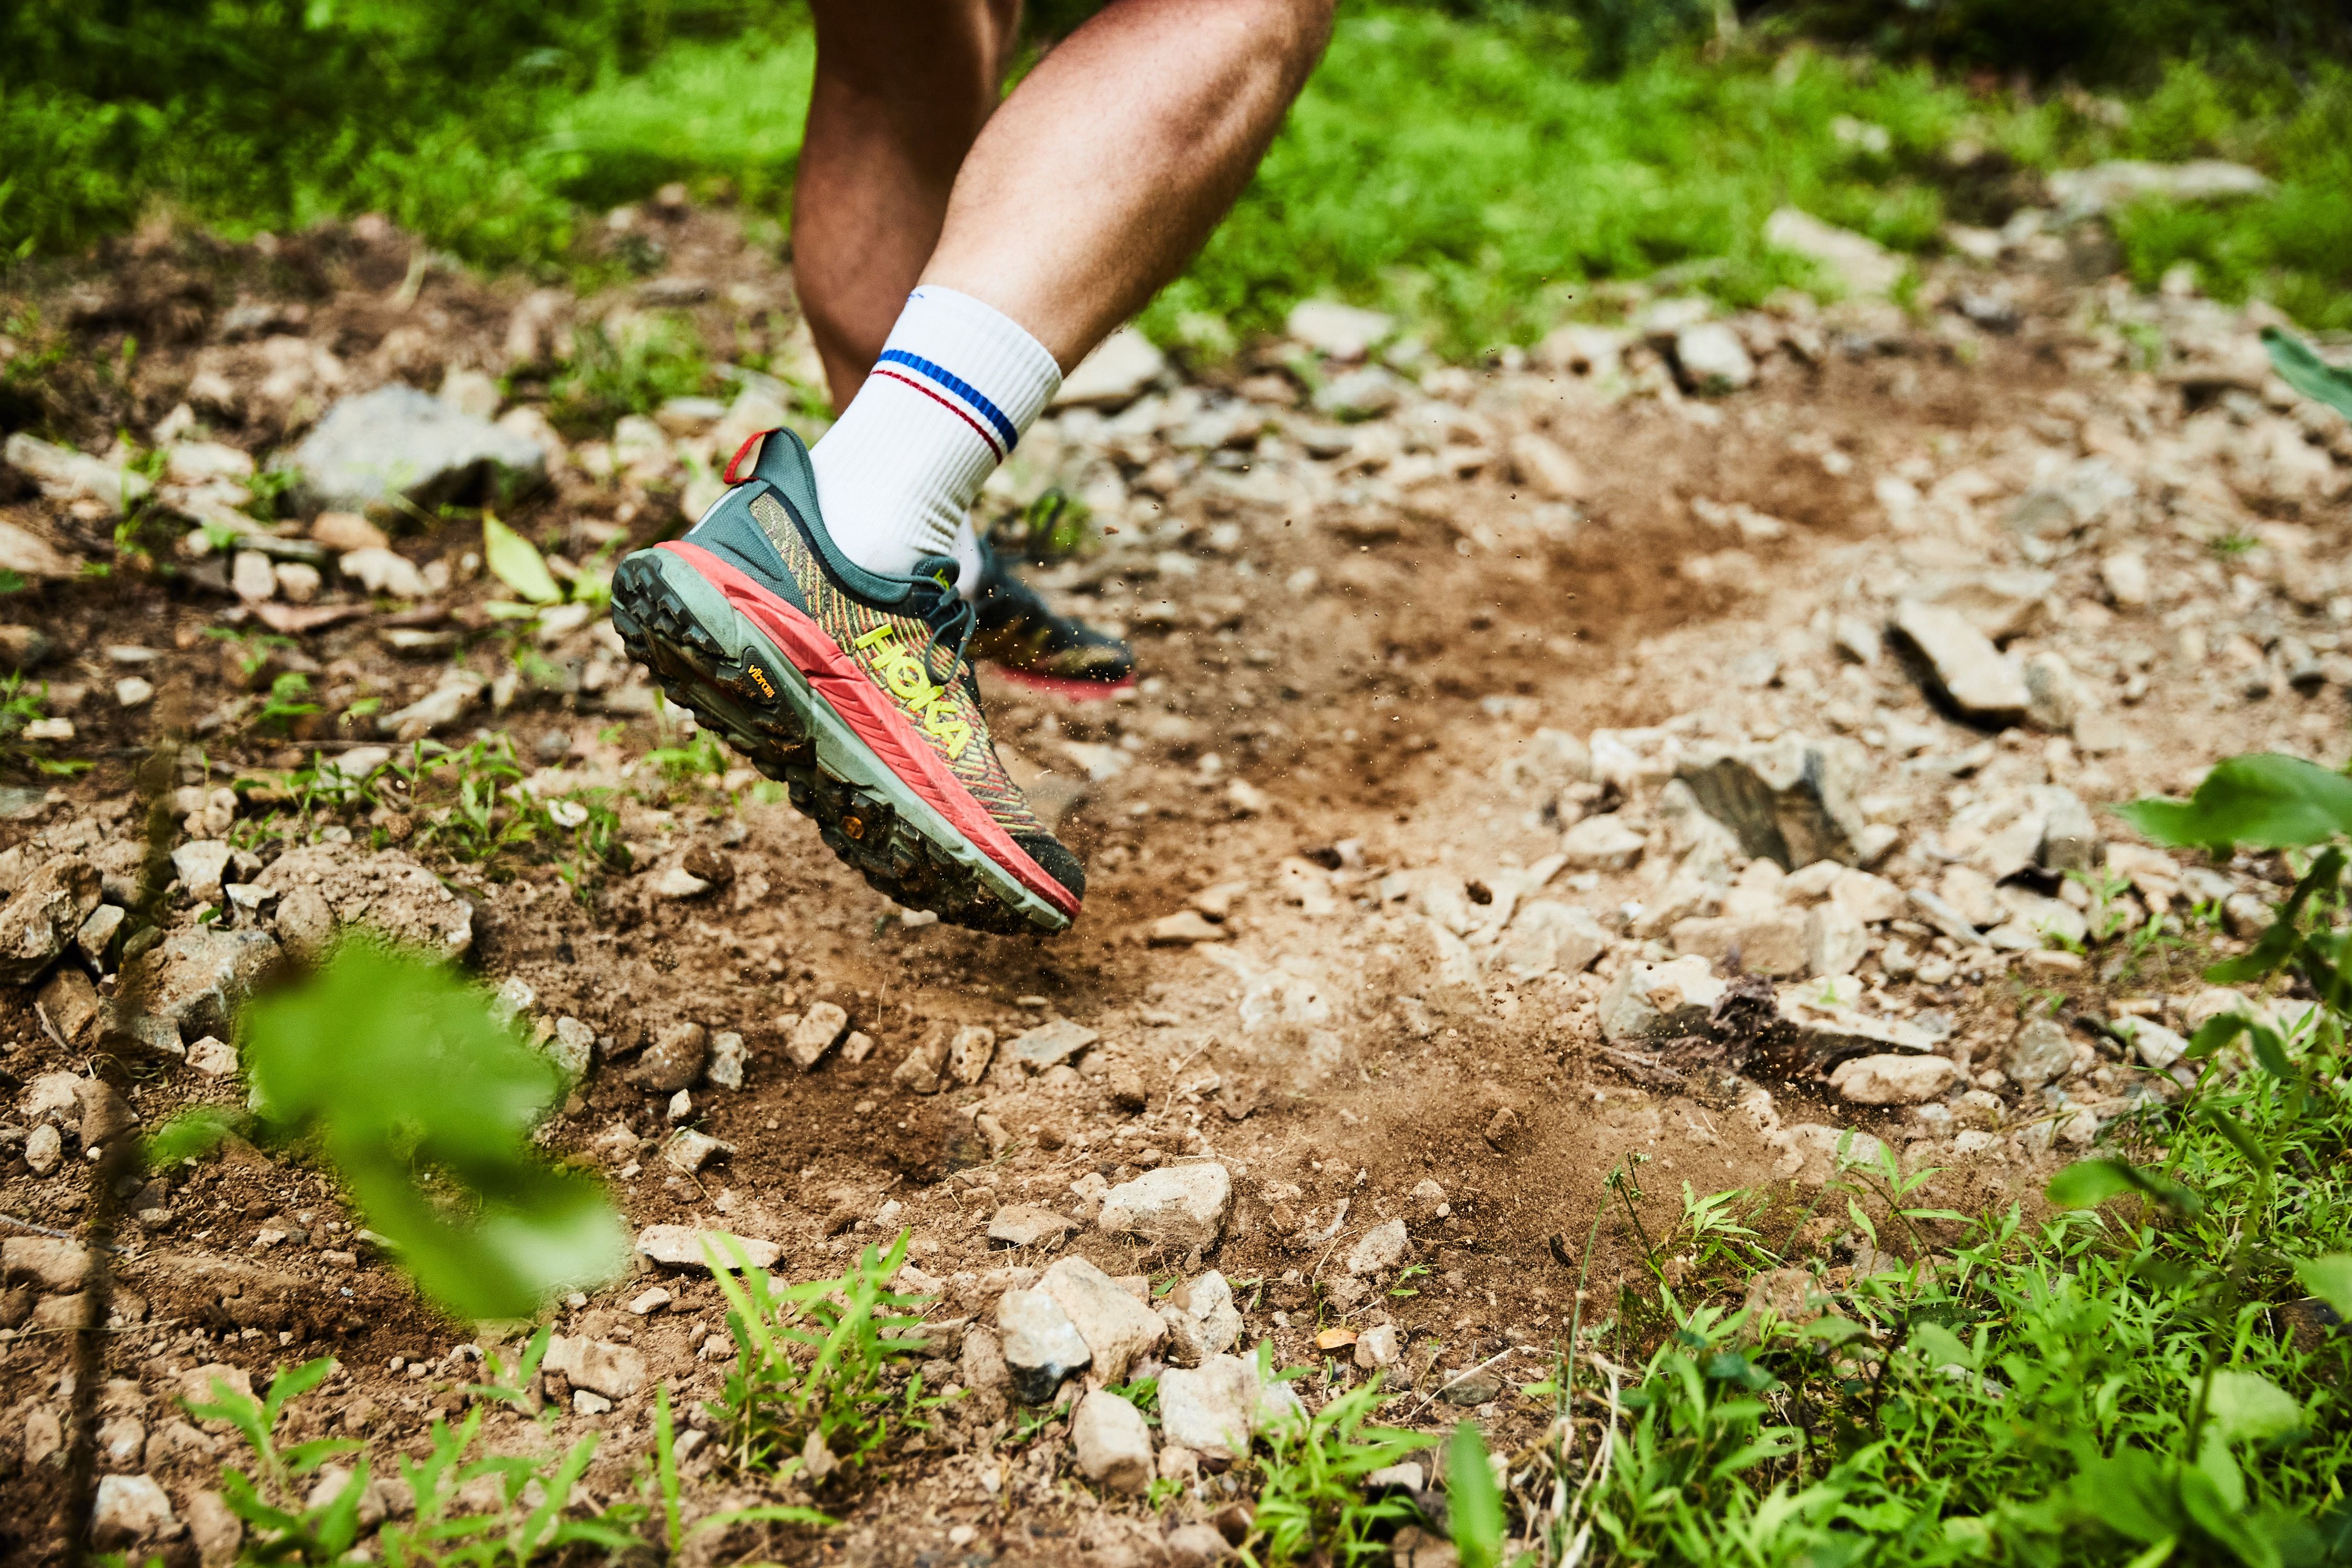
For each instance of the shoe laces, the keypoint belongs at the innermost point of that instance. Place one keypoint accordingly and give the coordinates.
(949, 618)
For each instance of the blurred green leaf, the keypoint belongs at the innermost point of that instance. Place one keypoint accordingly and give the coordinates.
(2264, 801)
(425, 1105)
(2247, 1407)
(1472, 1503)
(2086, 1183)
(2330, 1280)
(2304, 371)
(192, 1134)
(516, 562)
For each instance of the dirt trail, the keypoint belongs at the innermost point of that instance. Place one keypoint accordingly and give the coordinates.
(1386, 691)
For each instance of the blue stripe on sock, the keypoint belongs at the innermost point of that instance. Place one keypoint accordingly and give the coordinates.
(960, 387)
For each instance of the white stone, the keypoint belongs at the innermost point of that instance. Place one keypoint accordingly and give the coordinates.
(1112, 1441)
(614, 1370)
(251, 577)
(1963, 663)
(1336, 331)
(1210, 1300)
(1713, 359)
(1601, 844)
(212, 1057)
(2154, 1044)
(681, 1247)
(1118, 1330)
(381, 571)
(1380, 1249)
(1211, 1408)
(1042, 1347)
(819, 1030)
(1652, 1000)
(133, 691)
(1855, 260)
(200, 865)
(1120, 369)
(1176, 1205)
(1894, 1079)
(131, 1508)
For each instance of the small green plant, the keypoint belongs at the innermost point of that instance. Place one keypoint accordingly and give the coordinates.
(1311, 1503)
(2301, 368)
(2230, 546)
(22, 708)
(699, 758)
(395, 1070)
(529, 1524)
(283, 1525)
(632, 369)
(284, 707)
(826, 1365)
(1474, 1503)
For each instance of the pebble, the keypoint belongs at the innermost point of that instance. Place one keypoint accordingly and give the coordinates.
(1379, 1346)
(819, 1030)
(44, 1149)
(1712, 359)
(1894, 1079)
(1962, 663)
(682, 1247)
(133, 1508)
(2154, 1044)
(1601, 844)
(1791, 800)
(1112, 1442)
(1659, 1000)
(1211, 1408)
(1380, 1249)
(396, 444)
(43, 915)
(2040, 1052)
(212, 1057)
(675, 1058)
(1042, 1347)
(1050, 1044)
(196, 978)
(1026, 1225)
(614, 1370)
(1177, 1206)
(1184, 927)
(1336, 331)
(1118, 1329)
(970, 1053)
(677, 882)
(690, 1148)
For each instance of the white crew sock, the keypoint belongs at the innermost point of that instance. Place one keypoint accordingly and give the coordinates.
(957, 383)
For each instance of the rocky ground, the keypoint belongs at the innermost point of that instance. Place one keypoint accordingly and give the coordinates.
(1667, 750)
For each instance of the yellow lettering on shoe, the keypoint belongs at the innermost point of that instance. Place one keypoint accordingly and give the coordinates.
(902, 675)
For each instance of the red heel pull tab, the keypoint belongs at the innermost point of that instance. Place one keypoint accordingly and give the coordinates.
(746, 459)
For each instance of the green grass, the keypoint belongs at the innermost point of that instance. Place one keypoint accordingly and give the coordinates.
(1466, 167)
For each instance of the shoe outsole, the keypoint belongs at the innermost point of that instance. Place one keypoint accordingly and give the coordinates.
(695, 643)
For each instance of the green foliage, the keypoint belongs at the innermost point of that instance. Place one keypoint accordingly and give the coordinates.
(699, 759)
(20, 707)
(284, 1527)
(2304, 371)
(529, 1524)
(395, 1072)
(632, 369)
(824, 1363)
(1474, 1504)
(284, 706)
(1311, 1503)
(516, 562)
(2264, 801)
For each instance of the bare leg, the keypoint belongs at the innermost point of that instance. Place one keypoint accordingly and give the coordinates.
(1108, 167)
(902, 89)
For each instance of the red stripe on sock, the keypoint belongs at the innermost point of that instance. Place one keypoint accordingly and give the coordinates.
(935, 398)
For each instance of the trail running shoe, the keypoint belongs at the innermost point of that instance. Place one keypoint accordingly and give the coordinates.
(1020, 634)
(850, 688)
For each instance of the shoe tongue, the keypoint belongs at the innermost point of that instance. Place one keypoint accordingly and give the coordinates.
(940, 569)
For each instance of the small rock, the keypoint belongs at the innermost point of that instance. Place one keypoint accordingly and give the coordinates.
(1176, 1207)
(1962, 664)
(1380, 1249)
(1546, 936)
(344, 532)
(398, 444)
(2154, 1044)
(570, 1046)
(1601, 844)
(2125, 576)
(1364, 394)
(1050, 1044)
(970, 1053)
(983, 1366)
(378, 568)
(728, 1059)
(1118, 1329)
(1712, 359)
(681, 1247)
(216, 1530)
(920, 1073)
(1336, 331)
(251, 577)
(1209, 1299)
(1790, 1296)
(1654, 1000)
(2040, 1052)
(44, 915)
(212, 1057)
(1820, 1020)
(675, 1060)
(690, 1148)
(64, 474)
(201, 863)
(70, 1003)
(1184, 927)
(1026, 1224)
(1042, 1347)
(819, 1030)
(1200, 1545)
(1791, 800)
(133, 691)
(196, 979)
(50, 1262)
(1772, 941)
(1545, 467)
(1378, 1347)
(1857, 261)
(1211, 1408)
(677, 882)
(1119, 370)
(1113, 1443)
(616, 1372)
(131, 1508)
(43, 1148)
(1894, 1079)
